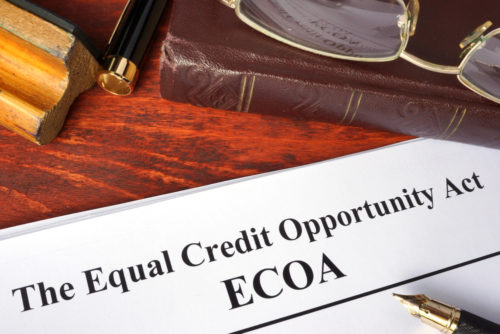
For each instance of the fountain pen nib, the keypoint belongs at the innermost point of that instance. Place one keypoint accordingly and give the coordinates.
(412, 303)
(439, 315)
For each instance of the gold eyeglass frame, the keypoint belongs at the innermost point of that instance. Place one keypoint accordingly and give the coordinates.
(408, 24)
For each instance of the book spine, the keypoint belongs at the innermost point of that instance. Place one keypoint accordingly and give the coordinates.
(188, 76)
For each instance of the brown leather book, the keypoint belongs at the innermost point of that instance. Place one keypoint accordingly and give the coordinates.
(211, 59)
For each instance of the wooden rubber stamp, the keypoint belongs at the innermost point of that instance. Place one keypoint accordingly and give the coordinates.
(45, 63)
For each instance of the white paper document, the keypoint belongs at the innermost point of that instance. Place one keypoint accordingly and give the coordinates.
(314, 249)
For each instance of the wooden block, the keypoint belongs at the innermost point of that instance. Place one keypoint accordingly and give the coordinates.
(44, 66)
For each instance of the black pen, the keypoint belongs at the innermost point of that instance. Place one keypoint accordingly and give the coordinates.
(128, 45)
(446, 318)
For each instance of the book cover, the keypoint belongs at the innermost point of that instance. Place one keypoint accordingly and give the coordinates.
(211, 59)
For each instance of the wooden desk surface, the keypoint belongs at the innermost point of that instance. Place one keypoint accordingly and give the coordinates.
(114, 149)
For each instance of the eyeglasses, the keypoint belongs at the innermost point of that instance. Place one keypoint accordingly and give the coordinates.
(370, 31)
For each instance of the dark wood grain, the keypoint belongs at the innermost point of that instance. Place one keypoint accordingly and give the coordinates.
(114, 149)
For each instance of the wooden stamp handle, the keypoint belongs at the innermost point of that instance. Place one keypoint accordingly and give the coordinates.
(43, 68)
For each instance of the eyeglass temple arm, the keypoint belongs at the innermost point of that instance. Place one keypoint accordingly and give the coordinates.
(229, 3)
(413, 11)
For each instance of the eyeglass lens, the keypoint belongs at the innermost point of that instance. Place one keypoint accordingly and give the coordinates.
(483, 68)
(351, 28)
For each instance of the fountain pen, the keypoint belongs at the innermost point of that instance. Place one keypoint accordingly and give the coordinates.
(129, 44)
(446, 318)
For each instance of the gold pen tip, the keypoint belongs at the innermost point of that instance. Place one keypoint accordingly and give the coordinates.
(411, 303)
(436, 314)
